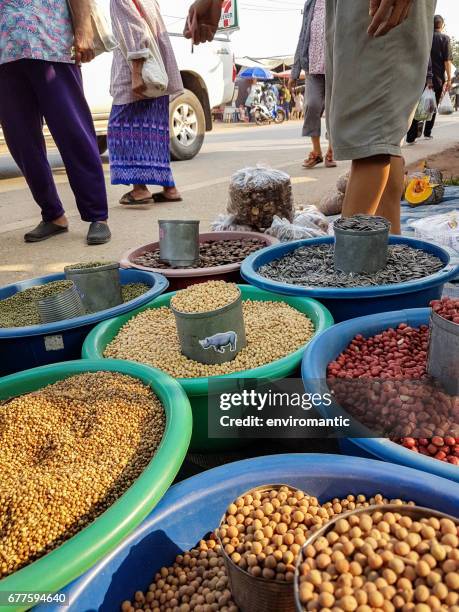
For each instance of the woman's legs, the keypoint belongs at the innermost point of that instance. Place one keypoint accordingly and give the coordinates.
(314, 108)
(389, 206)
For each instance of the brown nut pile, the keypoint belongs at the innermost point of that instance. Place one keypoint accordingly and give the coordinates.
(67, 453)
(273, 330)
(382, 560)
(197, 581)
(205, 297)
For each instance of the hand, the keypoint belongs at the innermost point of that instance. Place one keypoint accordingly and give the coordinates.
(84, 45)
(203, 19)
(292, 84)
(429, 84)
(387, 15)
(138, 84)
(447, 86)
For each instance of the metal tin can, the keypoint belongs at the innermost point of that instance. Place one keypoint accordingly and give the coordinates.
(64, 305)
(179, 243)
(99, 287)
(443, 361)
(358, 252)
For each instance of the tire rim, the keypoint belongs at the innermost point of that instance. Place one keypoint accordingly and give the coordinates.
(185, 124)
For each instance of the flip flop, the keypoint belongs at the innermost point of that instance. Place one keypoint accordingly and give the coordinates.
(129, 200)
(159, 198)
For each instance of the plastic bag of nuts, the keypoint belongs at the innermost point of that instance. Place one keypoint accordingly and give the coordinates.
(257, 194)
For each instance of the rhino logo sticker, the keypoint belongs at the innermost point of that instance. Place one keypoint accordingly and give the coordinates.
(220, 342)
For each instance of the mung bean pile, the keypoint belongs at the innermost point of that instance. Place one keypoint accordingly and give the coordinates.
(205, 297)
(198, 580)
(89, 265)
(362, 223)
(313, 266)
(20, 310)
(211, 254)
(67, 453)
(273, 330)
(383, 560)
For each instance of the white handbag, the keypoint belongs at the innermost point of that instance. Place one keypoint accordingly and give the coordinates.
(104, 41)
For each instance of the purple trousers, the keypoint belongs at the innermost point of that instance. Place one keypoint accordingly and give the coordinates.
(32, 91)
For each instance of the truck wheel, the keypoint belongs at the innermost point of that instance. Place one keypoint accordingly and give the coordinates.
(102, 143)
(187, 126)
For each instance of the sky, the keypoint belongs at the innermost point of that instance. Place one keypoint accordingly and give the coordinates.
(271, 27)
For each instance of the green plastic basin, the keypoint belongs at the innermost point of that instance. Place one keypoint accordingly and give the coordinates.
(197, 388)
(61, 566)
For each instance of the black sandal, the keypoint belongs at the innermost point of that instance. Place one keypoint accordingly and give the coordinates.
(129, 200)
(98, 233)
(160, 198)
(45, 230)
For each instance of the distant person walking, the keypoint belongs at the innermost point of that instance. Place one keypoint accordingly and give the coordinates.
(138, 129)
(40, 79)
(310, 57)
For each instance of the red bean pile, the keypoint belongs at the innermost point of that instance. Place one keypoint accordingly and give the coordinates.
(447, 308)
(391, 393)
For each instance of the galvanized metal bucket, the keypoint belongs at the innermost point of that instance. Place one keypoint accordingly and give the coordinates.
(361, 252)
(252, 594)
(179, 243)
(99, 287)
(414, 512)
(443, 361)
(212, 337)
(64, 305)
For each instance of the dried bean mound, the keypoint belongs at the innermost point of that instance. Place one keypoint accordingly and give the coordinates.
(197, 581)
(205, 297)
(211, 254)
(313, 266)
(89, 265)
(447, 308)
(382, 561)
(20, 310)
(67, 453)
(273, 330)
(382, 381)
(362, 223)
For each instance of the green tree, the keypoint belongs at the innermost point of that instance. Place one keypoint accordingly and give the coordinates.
(455, 45)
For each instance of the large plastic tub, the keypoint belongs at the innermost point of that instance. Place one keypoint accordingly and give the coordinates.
(197, 389)
(194, 507)
(59, 567)
(327, 346)
(22, 348)
(346, 304)
(182, 278)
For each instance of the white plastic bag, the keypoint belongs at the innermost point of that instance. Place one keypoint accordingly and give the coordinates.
(427, 105)
(310, 216)
(228, 223)
(446, 106)
(442, 229)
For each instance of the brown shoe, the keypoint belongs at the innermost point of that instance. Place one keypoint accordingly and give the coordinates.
(329, 161)
(313, 160)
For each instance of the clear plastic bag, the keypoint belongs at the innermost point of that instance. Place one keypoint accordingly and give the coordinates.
(311, 216)
(427, 105)
(446, 106)
(258, 194)
(442, 229)
(227, 223)
(286, 231)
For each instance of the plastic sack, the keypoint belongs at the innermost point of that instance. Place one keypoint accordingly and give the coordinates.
(331, 204)
(227, 223)
(258, 194)
(286, 231)
(427, 105)
(342, 182)
(446, 106)
(310, 216)
(442, 229)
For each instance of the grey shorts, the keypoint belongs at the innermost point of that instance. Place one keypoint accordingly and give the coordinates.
(374, 84)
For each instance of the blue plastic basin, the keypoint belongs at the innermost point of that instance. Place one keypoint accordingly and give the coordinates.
(23, 348)
(346, 304)
(332, 342)
(194, 507)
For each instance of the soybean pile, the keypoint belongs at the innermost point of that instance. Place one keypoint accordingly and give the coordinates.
(313, 266)
(273, 330)
(211, 254)
(205, 297)
(268, 537)
(20, 310)
(67, 453)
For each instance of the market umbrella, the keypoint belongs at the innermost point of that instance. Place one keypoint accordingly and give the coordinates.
(261, 74)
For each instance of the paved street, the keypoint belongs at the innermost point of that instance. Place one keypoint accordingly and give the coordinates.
(203, 182)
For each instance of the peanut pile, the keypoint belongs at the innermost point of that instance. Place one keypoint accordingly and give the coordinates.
(205, 297)
(383, 560)
(67, 453)
(273, 330)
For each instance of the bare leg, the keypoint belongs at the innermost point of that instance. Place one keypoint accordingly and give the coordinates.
(316, 148)
(389, 206)
(367, 183)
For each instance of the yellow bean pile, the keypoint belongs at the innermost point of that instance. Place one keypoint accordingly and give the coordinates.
(67, 452)
(205, 297)
(273, 330)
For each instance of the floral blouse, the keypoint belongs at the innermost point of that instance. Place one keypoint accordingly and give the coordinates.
(35, 29)
(317, 42)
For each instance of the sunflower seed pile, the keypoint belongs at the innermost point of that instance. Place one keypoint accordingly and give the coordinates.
(362, 223)
(313, 266)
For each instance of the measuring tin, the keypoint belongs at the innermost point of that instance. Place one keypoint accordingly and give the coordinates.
(361, 251)
(179, 243)
(99, 286)
(443, 361)
(64, 305)
(212, 337)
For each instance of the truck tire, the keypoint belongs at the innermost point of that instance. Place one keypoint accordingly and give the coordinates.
(187, 126)
(102, 143)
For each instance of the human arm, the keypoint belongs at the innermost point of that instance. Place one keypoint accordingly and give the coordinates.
(448, 65)
(387, 15)
(82, 30)
(203, 19)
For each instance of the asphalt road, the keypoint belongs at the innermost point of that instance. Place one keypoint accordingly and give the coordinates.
(202, 181)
